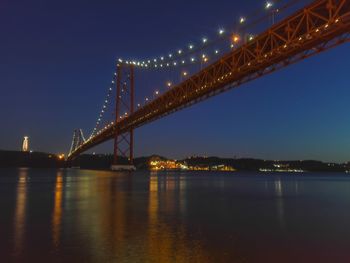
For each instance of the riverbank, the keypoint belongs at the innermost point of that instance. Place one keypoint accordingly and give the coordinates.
(197, 163)
(156, 163)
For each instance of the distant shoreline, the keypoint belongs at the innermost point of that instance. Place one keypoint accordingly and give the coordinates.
(160, 163)
(30, 159)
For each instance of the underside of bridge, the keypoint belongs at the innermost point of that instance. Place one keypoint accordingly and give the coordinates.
(322, 25)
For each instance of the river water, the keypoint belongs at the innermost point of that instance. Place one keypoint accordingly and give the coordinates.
(100, 216)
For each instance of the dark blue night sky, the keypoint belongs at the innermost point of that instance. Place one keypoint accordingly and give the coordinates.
(57, 58)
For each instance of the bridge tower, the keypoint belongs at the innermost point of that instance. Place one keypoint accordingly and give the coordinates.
(124, 107)
(77, 141)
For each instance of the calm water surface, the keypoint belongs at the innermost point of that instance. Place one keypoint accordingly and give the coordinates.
(97, 216)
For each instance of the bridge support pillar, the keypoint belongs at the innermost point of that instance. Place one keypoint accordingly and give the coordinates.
(124, 143)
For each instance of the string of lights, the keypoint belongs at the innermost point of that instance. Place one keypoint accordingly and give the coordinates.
(194, 53)
(104, 107)
(235, 39)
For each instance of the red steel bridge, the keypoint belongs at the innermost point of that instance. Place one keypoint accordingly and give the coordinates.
(321, 25)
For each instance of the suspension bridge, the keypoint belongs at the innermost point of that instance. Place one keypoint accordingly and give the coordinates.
(306, 31)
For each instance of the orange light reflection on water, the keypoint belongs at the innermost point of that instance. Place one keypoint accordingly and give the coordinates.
(169, 242)
(20, 212)
(57, 212)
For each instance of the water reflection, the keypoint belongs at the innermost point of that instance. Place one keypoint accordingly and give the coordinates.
(95, 216)
(57, 211)
(296, 188)
(98, 210)
(168, 241)
(279, 202)
(114, 219)
(20, 212)
(153, 200)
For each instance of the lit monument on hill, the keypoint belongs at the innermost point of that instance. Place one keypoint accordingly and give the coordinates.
(25, 144)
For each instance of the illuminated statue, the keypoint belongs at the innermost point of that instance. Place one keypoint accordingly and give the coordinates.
(25, 144)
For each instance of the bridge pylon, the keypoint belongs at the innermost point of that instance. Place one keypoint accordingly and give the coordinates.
(124, 107)
(77, 141)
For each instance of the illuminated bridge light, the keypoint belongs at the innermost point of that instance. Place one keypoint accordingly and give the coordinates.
(268, 5)
(236, 38)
